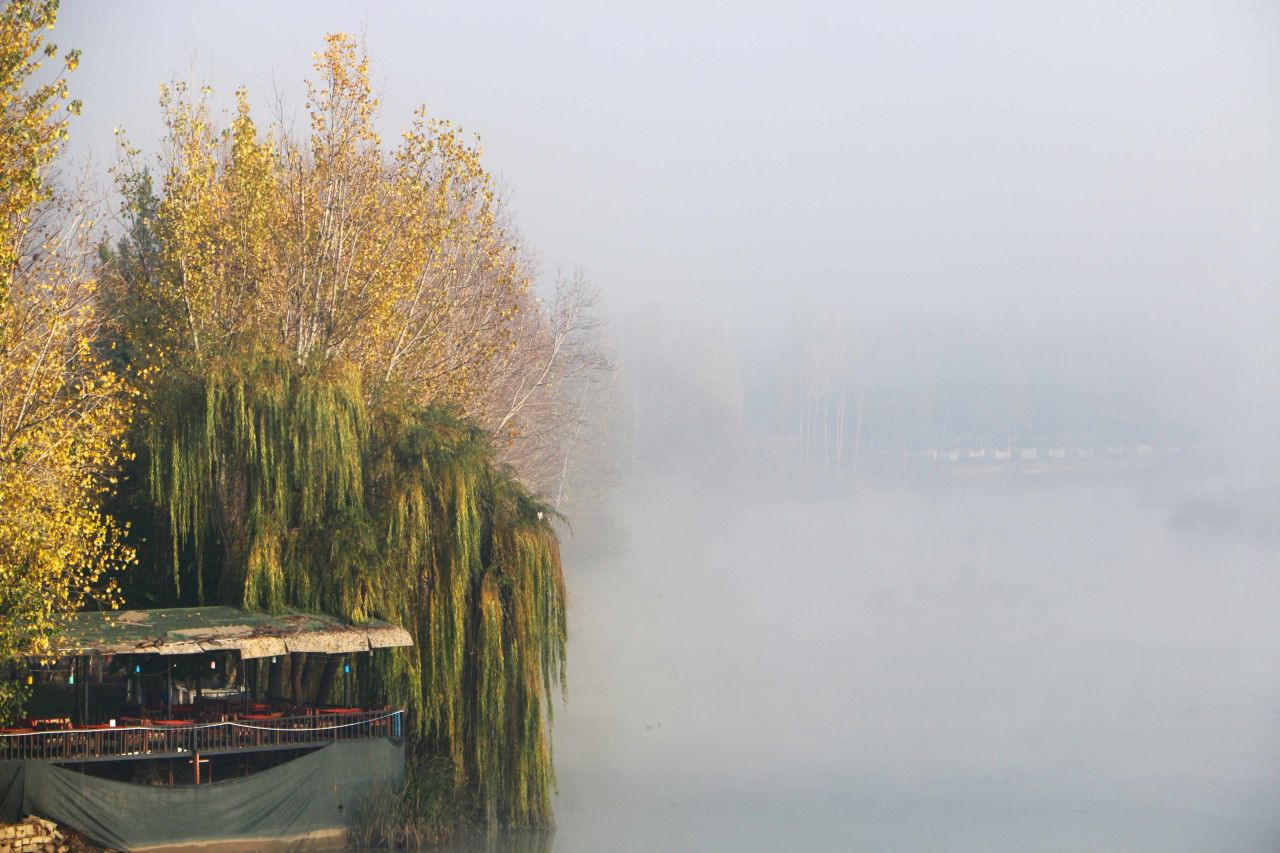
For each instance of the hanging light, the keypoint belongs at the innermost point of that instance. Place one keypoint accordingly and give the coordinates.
(137, 667)
(346, 668)
(213, 664)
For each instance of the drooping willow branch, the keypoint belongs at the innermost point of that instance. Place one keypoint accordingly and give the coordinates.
(280, 488)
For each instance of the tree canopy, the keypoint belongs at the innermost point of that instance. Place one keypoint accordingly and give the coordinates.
(63, 409)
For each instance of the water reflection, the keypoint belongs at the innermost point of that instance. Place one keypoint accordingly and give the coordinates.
(505, 842)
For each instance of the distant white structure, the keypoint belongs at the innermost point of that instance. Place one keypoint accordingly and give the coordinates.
(1026, 453)
(1057, 453)
(977, 454)
(1144, 450)
(1115, 451)
(1003, 454)
(1084, 452)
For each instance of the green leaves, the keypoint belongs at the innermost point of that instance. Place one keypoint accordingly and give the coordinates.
(282, 489)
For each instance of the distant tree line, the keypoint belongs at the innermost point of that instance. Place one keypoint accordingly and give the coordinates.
(825, 398)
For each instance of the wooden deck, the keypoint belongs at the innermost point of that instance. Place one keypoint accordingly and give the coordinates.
(180, 738)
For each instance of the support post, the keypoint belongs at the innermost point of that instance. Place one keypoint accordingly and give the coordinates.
(275, 679)
(298, 662)
(331, 664)
(77, 712)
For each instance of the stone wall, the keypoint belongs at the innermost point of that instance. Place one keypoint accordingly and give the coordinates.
(33, 835)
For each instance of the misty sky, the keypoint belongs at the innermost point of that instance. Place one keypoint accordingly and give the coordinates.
(1101, 178)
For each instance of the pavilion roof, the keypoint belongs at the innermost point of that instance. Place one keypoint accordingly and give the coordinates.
(196, 630)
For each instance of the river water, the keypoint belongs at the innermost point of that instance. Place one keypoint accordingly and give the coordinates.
(1066, 665)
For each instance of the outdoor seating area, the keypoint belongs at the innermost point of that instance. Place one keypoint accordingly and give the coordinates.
(264, 726)
(194, 682)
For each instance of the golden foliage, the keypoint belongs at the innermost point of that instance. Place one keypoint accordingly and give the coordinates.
(63, 409)
(63, 413)
(328, 246)
(33, 125)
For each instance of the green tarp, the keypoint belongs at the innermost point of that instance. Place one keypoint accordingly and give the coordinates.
(309, 798)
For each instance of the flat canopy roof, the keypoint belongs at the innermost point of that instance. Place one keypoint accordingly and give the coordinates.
(195, 630)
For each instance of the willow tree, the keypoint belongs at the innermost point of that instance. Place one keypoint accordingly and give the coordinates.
(63, 409)
(282, 488)
(318, 314)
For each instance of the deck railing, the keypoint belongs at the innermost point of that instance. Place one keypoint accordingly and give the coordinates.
(161, 739)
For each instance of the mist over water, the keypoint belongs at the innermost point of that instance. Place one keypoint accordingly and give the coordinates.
(1038, 666)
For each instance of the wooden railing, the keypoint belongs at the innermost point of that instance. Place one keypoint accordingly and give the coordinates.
(161, 739)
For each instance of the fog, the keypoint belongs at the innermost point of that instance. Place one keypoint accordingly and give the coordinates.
(836, 243)
(1040, 667)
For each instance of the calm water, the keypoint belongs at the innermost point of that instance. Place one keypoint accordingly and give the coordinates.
(1062, 666)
